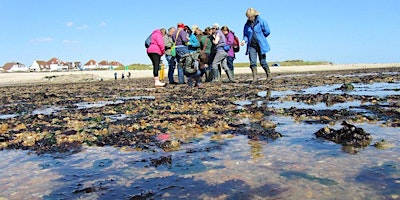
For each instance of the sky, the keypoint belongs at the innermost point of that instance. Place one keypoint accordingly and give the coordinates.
(337, 31)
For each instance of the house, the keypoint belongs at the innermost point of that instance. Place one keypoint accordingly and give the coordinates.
(39, 65)
(90, 65)
(57, 65)
(116, 64)
(104, 65)
(73, 65)
(109, 65)
(15, 67)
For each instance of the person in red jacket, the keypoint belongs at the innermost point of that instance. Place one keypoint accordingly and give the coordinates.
(155, 51)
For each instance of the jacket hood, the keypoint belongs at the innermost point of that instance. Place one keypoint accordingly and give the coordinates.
(157, 31)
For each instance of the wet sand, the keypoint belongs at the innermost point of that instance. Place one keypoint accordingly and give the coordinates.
(84, 76)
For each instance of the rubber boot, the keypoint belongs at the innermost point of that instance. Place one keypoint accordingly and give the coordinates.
(215, 75)
(158, 83)
(254, 74)
(208, 75)
(230, 75)
(268, 74)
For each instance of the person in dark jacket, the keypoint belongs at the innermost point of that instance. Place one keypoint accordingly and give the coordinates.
(180, 38)
(255, 35)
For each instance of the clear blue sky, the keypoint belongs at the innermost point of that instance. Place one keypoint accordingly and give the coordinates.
(339, 31)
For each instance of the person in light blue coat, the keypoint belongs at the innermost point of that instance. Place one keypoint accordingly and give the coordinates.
(255, 35)
(193, 43)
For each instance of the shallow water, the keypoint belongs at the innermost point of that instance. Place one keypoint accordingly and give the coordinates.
(296, 166)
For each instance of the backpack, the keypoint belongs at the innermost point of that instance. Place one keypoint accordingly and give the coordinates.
(148, 41)
(236, 45)
(190, 62)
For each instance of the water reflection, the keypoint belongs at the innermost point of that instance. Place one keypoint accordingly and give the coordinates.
(233, 167)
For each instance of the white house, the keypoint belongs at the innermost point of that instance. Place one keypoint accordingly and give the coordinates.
(57, 65)
(104, 65)
(90, 65)
(15, 67)
(39, 65)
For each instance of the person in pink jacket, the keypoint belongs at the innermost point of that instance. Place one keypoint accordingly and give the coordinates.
(155, 51)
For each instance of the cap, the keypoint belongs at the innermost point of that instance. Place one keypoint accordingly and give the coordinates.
(194, 27)
(181, 25)
(215, 26)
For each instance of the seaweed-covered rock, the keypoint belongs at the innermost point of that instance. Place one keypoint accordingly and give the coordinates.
(349, 135)
(346, 87)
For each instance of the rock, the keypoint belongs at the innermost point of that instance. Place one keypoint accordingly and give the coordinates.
(349, 135)
(170, 145)
(383, 145)
(346, 87)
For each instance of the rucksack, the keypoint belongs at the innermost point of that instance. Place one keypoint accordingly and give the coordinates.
(147, 42)
(236, 45)
(190, 62)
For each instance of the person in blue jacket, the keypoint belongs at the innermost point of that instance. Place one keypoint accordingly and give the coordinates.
(255, 35)
(193, 43)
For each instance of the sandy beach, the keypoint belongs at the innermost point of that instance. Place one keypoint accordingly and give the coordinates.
(18, 78)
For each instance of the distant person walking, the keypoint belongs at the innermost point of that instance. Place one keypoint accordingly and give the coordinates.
(115, 76)
(255, 35)
(155, 50)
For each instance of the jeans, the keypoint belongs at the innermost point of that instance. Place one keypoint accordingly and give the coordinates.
(220, 58)
(171, 67)
(180, 51)
(253, 53)
(196, 77)
(230, 62)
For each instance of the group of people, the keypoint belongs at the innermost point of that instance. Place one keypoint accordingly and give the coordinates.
(122, 75)
(214, 50)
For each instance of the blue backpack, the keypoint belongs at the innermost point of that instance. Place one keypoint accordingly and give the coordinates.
(147, 42)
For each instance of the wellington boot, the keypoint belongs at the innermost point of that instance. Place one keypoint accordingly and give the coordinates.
(158, 83)
(208, 76)
(268, 74)
(230, 75)
(215, 75)
(254, 74)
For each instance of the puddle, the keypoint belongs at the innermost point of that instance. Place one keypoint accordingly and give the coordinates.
(375, 89)
(367, 74)
(117, 117)
(47, 110)
(137, 98)
(350, 105)
(86, 105)
(8, 116)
